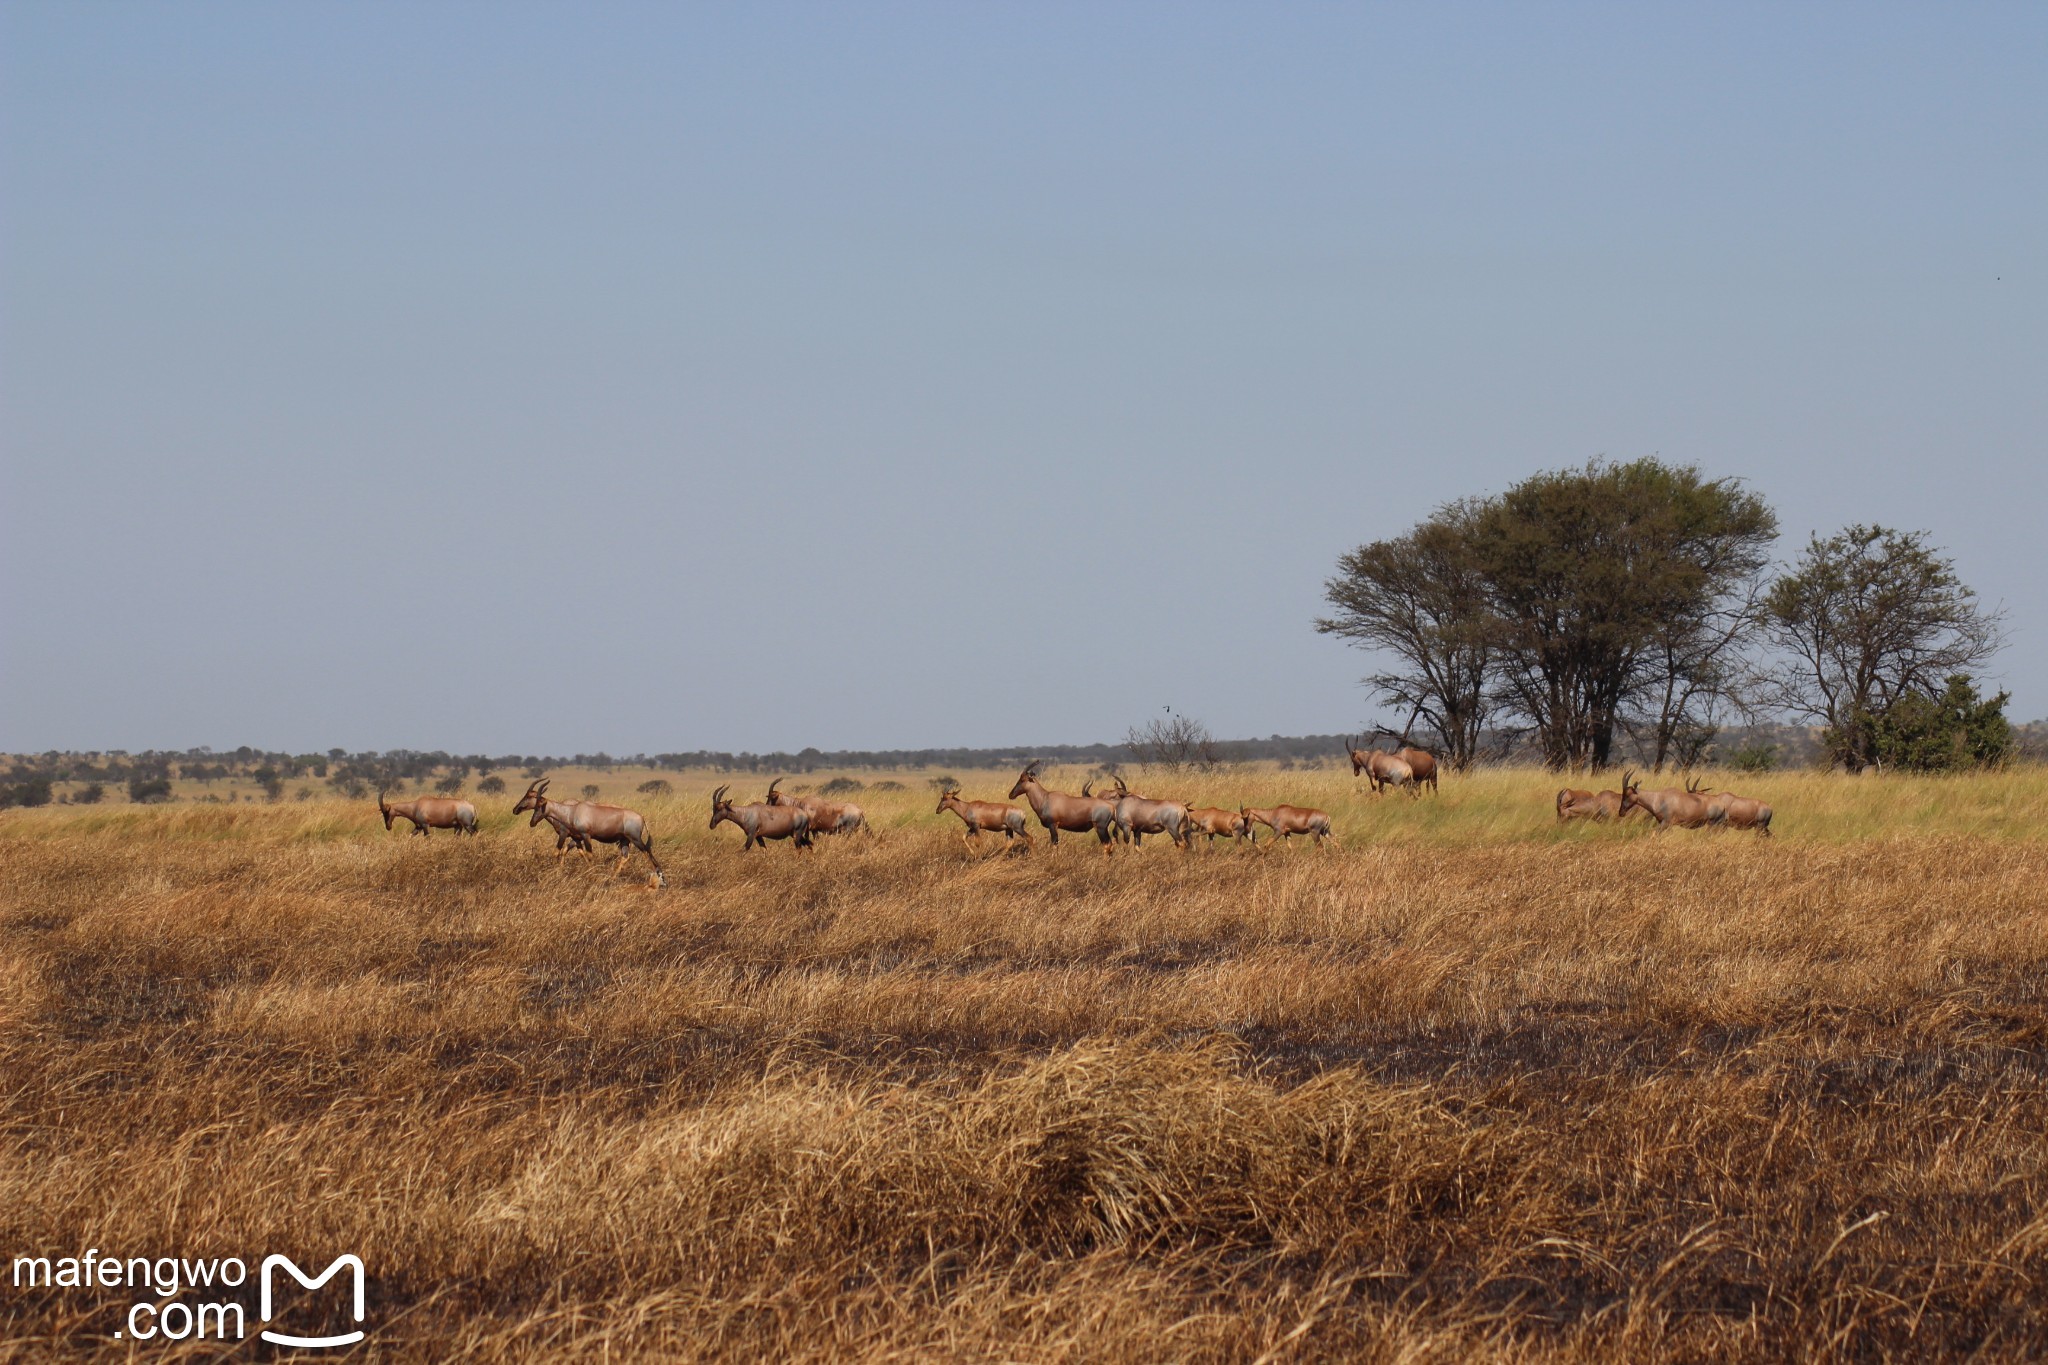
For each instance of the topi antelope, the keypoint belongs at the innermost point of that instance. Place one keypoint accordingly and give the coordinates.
(1383, 770)
(1668, 807)
(1421, 763)
(762, 822)
(992, 816)
(1574, 804)
(1213, 821)
(1288, 821)
(827, 817)
(587, 822)
(1137, 816)
(430, 812)
(1063, 811)
(1739, 812)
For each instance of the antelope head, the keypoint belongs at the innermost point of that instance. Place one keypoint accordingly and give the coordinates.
(774, 797)
(535, 800)
(1692, 786)
(721, 807)
(945, 796)
(1025, 779)
(1121, 790)
(383, 809)
(1631, 791)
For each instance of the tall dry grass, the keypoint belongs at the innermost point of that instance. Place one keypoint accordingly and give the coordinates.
(1468, 1087)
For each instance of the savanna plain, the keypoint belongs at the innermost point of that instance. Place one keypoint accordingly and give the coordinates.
(1467, 1086)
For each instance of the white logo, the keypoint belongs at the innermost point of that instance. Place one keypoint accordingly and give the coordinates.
(354, 1263)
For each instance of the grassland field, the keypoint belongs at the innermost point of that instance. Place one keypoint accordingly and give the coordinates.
(1467, 1086)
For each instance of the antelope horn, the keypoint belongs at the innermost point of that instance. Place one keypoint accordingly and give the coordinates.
(771, 790)
(716, 797)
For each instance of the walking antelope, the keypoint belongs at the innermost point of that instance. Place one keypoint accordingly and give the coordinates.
(585, 822)
(1668, 807)
(1739, 812)
(430, 812)
(1421, 763)
(1383, 770)
(763, 822)
(1212, 821)
(1574, 804)
(992, 816)
(1137, 816)
(1063, 811)
(1288, 821)
(827, 817)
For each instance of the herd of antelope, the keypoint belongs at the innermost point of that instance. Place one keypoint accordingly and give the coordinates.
(1113, 817)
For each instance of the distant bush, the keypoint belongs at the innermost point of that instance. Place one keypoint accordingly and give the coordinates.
(88, 795)
(657, 787)
(449, 785)
(490, 786)
(840, 786)
(946, 783)
(149, 790)
(30, 791)
(303, 794)
(536, 773)
(590, 791)
(887, 785)
(1754, 757)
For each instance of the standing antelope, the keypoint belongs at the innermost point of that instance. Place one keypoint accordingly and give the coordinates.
(1383, 770)
(993, 816)
(827, 817)
(1288, 821)
(763, 822)
(1421, 763)
(430, 812)
(1213, 821)
(1062, 811)
(585, 822)
(1668, 807)
(1136, 817)
(1574, 804)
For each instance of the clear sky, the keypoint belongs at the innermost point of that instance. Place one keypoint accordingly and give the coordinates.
(542, 378)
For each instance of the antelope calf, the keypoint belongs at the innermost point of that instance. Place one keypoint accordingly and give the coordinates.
(1288, 821)
(1058, 811)
(993, 816)
(429, 812)
(1213, 821)
(762, 822)
(587, 822)
(1573, 804)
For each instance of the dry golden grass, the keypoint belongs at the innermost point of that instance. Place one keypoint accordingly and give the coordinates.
(1468, 1087)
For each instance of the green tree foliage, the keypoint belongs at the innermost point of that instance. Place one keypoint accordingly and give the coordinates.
(32, 790)
(1869, 620)
(89, 795)
(491, 786)
(1581, 600)
(149, 790)
(1954, 730)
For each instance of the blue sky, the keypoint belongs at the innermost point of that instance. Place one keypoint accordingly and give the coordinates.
(544, 378)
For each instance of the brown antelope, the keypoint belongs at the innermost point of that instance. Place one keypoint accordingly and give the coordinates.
(1288, 821)
(587, 822)
(1063, 811)
(1421, 763)
(827, 817)
(1383, 770)
(1212, 821)
(762, 822)
(1136, 817)
(1574, 804)
(1739, 812)
(430, 812)
(1668, 807)
(992, 816)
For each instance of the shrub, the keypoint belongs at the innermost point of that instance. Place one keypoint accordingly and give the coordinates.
(149, 790)
(491, 786)
(88, 795)
(887, 786)
(590, 791)
(1753, 757)
(657, 787)
(946, 783)
(30, 791)
(839, 786)
(449, 785)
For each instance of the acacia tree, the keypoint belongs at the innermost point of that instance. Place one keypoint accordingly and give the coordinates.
(1172, 742)
(1867, 619)
(1605, 580)
(1421, 599)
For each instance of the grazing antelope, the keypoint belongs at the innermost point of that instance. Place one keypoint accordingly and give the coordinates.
(1421, 763)
(1574, 804)
(1739, 812)
(1288, 821)
(585, 822)
(993, 816)
(827, 817)
(430, 812)
(763, 822)
(1212, 821)
(1383, 770)
(1683, 809)
(1063, 811)
(1136, 817)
